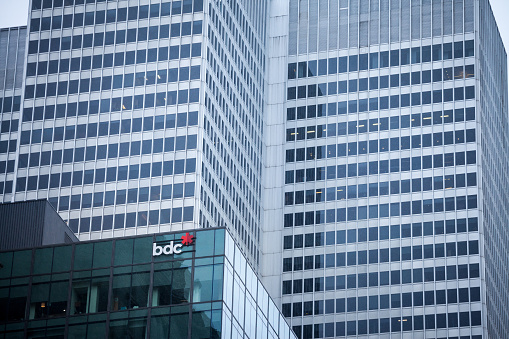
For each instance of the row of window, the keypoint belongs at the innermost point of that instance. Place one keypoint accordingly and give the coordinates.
(361, 127)
(110, 174)
(114, 127)
(403, 231)
(132, 219)
(381, 188)
(396, 122)
(105, 60)
(379, 124)
(372, 104)
(394, 209)
(375, 60)
(376, 167)
(387, 325)
(386, 81)
(72, 109)
(383, 255)
(129, 80)
(382, 145)
(110, 38)
(149, 100)
(10, 104)
(382, 302)
(122, 197)
(111, 15)
(46, 4)
(384, 278)
(109, 151)
(395, 101)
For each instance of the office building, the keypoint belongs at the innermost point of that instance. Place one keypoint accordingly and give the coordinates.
(387, 151)
(171, 285)
(12, 61)
(144, 117)
(356, 149)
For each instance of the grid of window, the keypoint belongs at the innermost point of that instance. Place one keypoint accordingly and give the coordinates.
(331, 25)
(495, 160)
(12, 60)
(142, 218)
(361, 127)
(108, 60)
(380, 124)
(357, 127)
(376, 167)
(110, 174)
(116, 104)
(109, 38)
(382, 278)
(393, 325)
(233, 123)
(382, 82)
(394, 101)
(135, 12)
(110, 151)
(376, 60)
(383, 302)
(394, 209)
(359, 235)
(92, 181)
(94, 129)
(128, 80)
(388, 145)
(129, 196)
(382, 255)
(380, 189)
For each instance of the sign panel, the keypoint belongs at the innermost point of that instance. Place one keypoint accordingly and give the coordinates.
(172, 247)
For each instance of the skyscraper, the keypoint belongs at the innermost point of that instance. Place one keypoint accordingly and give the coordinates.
(144, 117)
(357, 149)
(387, 123)
(12, 60)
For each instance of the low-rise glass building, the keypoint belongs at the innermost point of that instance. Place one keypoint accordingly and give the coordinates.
(176, 285)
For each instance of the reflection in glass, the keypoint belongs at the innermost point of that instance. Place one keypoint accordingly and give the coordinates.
(130, 291)
(89, 296)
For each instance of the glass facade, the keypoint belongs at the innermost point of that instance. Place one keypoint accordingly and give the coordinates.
(130, 287)
(386, 112)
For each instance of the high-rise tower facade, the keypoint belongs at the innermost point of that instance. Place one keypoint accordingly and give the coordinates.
(12, 61)
(386, 168)
(144, 116)
(358, 150)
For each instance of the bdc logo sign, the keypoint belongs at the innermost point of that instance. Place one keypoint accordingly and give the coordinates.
(172, 247)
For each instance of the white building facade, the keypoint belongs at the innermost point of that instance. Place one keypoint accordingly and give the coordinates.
(144, 116)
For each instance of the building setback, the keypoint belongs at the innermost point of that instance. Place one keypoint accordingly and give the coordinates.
(387, 166)
(32, 224)
(170, 285)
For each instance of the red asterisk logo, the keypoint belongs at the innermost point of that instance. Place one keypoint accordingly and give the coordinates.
(187, 239)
